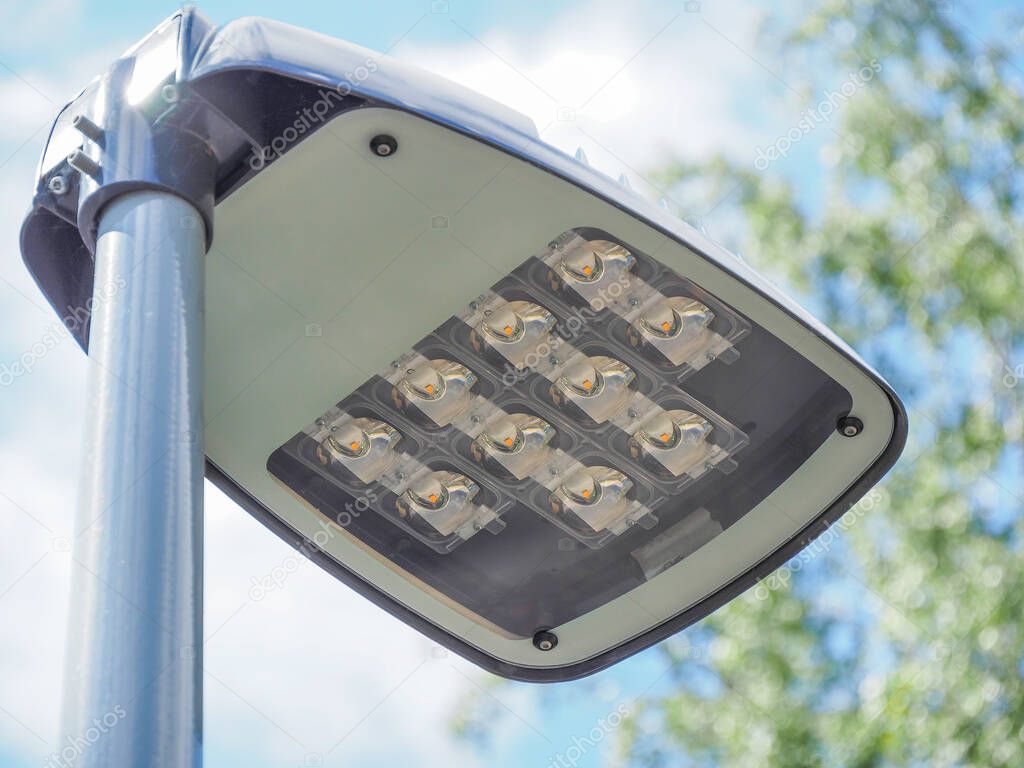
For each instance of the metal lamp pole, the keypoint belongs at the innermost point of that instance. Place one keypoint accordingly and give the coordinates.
(134, 676)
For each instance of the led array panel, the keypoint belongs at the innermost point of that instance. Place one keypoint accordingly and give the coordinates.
(551, 415)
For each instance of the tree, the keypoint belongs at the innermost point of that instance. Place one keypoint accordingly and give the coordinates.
(916, 252)
(902, 643)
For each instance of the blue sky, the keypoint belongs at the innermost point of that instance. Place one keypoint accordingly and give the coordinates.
(648, 81)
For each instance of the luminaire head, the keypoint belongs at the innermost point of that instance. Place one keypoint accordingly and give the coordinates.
(502, 396)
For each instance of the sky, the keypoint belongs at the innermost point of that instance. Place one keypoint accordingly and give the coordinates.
(288, 682)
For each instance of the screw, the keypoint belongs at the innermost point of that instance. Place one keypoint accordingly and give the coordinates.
(850, 426)
(88, 128)
(383, 145)
(545, 640)
(58, 185)
(170, 93)
(82, 163)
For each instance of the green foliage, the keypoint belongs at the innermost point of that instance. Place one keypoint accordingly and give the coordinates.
(917, 251)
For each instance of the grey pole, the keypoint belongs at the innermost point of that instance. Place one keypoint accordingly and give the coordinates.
(133, 681)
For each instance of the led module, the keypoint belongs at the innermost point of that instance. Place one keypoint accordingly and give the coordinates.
(677, 327)
(439, 389)
(596, 495)
(365, 447)
(514, 329)
(443, 499)
(590, 267)
(599, 386)
(675, 439)
(516, 442)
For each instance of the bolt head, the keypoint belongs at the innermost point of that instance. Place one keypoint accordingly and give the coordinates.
(545, 640)
(850, 426)
(383, 145)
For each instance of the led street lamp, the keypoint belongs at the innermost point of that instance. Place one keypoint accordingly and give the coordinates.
(499, 394)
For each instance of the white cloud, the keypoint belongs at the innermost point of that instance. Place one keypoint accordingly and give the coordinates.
(34, 590)
(18, 20)
(29, 115)
(630, 88)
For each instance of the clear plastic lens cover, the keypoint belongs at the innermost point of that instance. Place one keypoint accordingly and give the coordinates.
(589, 422)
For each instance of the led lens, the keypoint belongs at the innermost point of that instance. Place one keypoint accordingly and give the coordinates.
(676, 439)
(439, 389)
(598, 385)
(596, 495)
(515, 329)
(677, 327)
(365, 447)
(589, 267)
(516, 442)
(444, 500)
